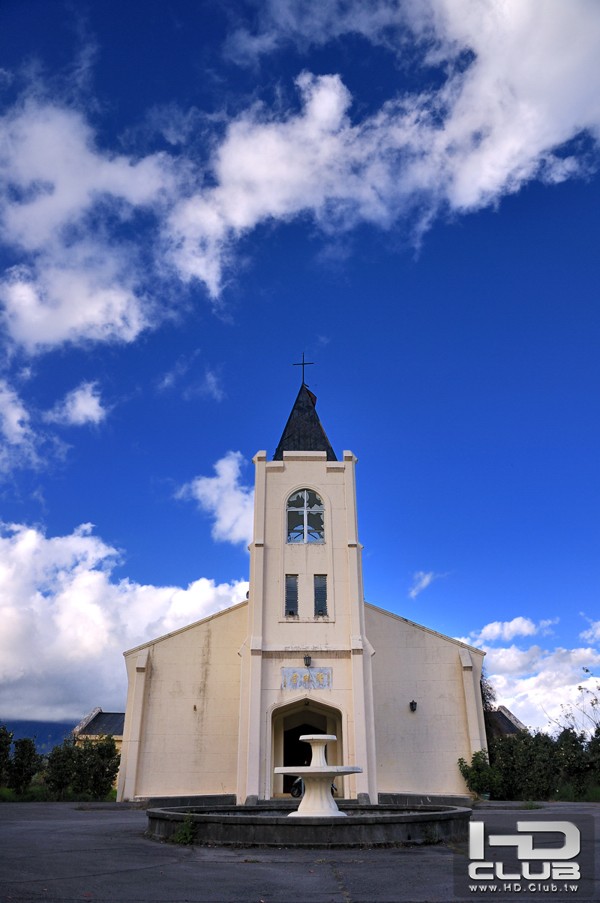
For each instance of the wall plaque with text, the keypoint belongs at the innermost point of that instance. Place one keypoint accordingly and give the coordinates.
(306, 678)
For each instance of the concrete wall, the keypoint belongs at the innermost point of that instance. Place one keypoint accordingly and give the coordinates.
(418, 751)
(182, 716)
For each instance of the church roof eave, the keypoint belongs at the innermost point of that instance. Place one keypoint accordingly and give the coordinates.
(443, 636)
(167, 636)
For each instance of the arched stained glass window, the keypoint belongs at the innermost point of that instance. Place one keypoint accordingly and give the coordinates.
(305, 516)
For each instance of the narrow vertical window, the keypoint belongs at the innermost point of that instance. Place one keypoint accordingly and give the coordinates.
(305, 512)
(291, 595)
(320, 595)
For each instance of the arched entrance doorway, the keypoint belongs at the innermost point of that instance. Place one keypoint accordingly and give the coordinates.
(289, 723)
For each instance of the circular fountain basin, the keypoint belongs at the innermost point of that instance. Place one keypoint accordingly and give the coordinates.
(268, 825)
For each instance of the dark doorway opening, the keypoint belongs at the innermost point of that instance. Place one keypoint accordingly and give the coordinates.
(295, 751)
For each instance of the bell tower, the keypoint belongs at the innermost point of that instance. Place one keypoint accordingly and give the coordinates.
(306, 659)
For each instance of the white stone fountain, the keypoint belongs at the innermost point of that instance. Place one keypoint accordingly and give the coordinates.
(318, 801)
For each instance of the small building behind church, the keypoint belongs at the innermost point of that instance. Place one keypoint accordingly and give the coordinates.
(98, 724)
(214, 707)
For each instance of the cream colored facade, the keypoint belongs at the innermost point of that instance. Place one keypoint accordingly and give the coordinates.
(215, 707)
(181, 720)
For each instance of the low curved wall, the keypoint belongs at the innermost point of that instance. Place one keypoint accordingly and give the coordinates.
(364, 826)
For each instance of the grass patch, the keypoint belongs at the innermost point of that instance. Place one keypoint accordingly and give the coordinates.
(41, 793)
(36, 793)
(186, 832)
(567, 793)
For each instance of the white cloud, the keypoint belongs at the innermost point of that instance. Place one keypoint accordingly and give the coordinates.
(81, 405)
(211, 386)
(14, 418)
(508, 630)
(592, 634)
(226, 499)
(530, 86)
(534, 682)
(265, 168)
(176, 373)
(208, 386)
(55, 301)
(58, 176)
(512, 659)
(66, 622)
(18, 441)
(509, 86)
(525, 94)
(537, 684)
(498, 120)
(421, 580)
(312, 22)
(59, 193)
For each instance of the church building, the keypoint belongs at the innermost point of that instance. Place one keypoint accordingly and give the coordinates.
(214, 707)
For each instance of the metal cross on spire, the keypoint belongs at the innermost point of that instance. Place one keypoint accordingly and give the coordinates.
(303, 364)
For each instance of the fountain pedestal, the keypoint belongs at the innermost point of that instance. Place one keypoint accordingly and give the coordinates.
(318, 801)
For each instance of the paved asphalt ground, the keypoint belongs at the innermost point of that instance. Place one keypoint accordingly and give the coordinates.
(63, 852)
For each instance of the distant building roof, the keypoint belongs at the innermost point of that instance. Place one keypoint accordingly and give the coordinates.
(303, 430)
(101, 724)
(501, 723)
(512, 718)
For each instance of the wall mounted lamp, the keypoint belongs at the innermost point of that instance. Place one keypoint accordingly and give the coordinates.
(412, 705)
(307, 661)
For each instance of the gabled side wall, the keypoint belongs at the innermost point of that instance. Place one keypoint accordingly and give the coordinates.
(182, 716)
(418, 751)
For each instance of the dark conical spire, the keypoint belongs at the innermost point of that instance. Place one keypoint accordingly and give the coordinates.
(303, 431)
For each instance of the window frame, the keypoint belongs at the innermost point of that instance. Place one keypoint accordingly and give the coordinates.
(320, 589)
(291, 580)
(308, 532)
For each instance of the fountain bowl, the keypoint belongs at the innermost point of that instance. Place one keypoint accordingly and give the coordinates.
(267, 824)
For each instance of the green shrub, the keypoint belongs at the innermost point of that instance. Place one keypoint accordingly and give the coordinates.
(60, 768)
(480, 777)
(6, 737)
(38, 793)
(186, 831)
(527, 766)
(573, 761)
(592, 794)
(96, 764)
(540, 767)
(71, 771)
(24, 764)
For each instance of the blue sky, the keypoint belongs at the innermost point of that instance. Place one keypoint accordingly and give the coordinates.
(193, 194)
